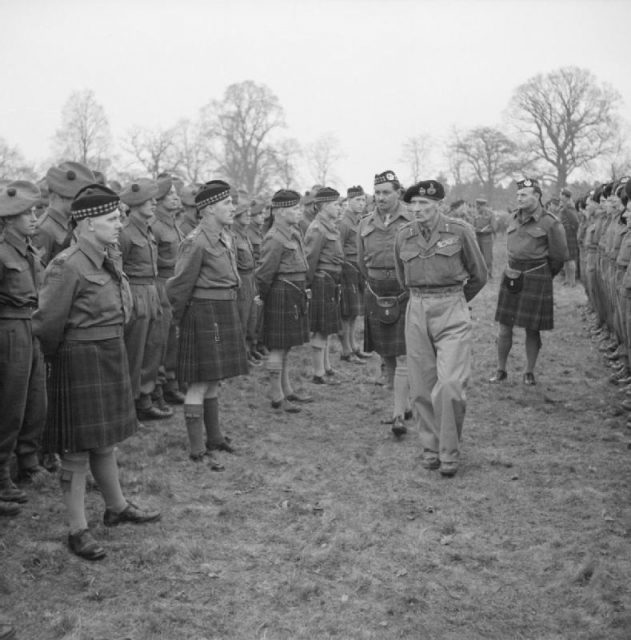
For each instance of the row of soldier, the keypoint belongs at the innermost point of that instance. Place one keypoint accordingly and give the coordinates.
(140, 311)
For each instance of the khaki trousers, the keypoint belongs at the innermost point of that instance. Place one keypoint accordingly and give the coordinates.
(438, 339)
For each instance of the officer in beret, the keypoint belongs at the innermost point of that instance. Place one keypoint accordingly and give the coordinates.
(247, 295)
(386, 299)
(168, 237)
(281, 277)
(536, 252)
(143, 333)
(22, 372)
(569, 220)
(438, 260)
(188, 217)
(352, 296)
(84, 302)
(203, 293)
(53, 228)
(325, 256)
(484, 225)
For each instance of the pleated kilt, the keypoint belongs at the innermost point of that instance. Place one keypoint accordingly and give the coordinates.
(532, 307)
(386, 339)
(245, 303)
(325, 305)
(352, 297)
(90, 401)
(211, 346)
(286, 315)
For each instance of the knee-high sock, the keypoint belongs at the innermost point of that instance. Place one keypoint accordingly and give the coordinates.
(211, 421)
(72, 477)
(401, 387)
(105, 471)
(317, 359)
(274, 364)
(195, 428)
(504, 344)
(284, 376)
(533, 345)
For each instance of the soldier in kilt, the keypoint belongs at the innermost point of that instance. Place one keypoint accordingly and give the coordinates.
(352, 298)
(384, 328)
(84, 302)
(536, 253)
(22, 371)
(325, 256)
(247, 294)
(281, 281)
(203, 293)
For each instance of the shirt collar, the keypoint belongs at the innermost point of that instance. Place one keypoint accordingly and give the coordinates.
(535, 215)
(16, 240)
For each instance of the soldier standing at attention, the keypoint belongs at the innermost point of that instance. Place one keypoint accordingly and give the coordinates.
(352, 298)
(22, 371)
(483, 223)
(53, 227)
(323, 250)
(439, 261)
(168, 238)
(536, 253)
(570, 222)
(203, 293)
(281, 278)
(386, 299)
(84, 303)
(143, 333)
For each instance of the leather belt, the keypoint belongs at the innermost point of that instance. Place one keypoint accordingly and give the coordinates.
(215, 294)
(88, 334)
(382, 274)
(141, 280)
(435, 290)
(292, 277)
(16, 313)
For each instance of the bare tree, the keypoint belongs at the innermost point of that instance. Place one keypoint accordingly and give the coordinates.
(286, 155)
(84, 135)
(154, 149)
(488, 154)
(567, 119)
(13, 166)
(196, 161)
(415, 154)
(322, 154)
(618, 161)
(240, 126)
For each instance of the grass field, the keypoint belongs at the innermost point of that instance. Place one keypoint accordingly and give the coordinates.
(324, 527)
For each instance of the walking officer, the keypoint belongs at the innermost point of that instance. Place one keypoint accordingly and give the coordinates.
(438, 260)
(484, 225)
(22, 372)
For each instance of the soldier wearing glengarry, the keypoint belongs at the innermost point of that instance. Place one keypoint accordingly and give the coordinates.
(386, 299)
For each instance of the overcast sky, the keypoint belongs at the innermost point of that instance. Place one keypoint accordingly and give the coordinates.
(372, 72)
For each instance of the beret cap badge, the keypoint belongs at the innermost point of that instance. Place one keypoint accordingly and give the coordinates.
(11, 192)
(431, 190)
(71, 175)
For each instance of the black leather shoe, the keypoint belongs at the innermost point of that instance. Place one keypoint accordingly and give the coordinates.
(398, 427)
(499, 376)
(408, 415)
(153, 413)
(209, 457)
(529, 379)
(351, 358)
(32, 474)
(300, 399)
(361, 354)
(285, 405)
(330, 372)
(9, 509)
(430, 460)
(85, 546)
(131, 513)
(222, 446)
(448, 469)
(173, 396)
(10, 493)
(322, 380)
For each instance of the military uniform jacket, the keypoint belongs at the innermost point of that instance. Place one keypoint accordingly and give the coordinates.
(187, 221)
(168, 238)
(243, 248)
(20, 275)
(206, 260)
(348, 235)
(282, 254)
(255, 234)
(139, 249)
(483, 221)
(52, 235)
(83, 289)
(323, 247)
(537, 236)
(450, 256)
(375, 242)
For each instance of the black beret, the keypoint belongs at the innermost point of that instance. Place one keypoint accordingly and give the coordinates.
(284, 199)
(430, 189)
(211, 193)
(94, 200)
(354, 192)
(387, 176)
(326, 194)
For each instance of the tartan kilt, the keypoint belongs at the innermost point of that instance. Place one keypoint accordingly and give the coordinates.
(532, 307)
(325, 306)
(386, 339)
(211, 342)
(90, 400)
(352, 297)
(285, 316)
(245, 302)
